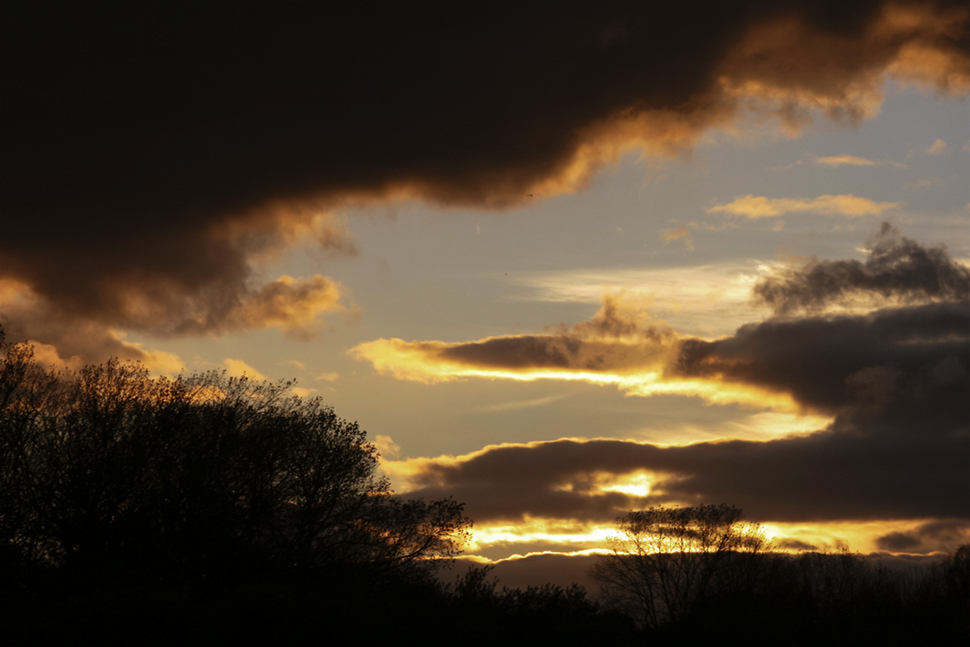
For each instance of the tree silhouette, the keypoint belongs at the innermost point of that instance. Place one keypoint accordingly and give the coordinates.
(666, 559)
(112, 470)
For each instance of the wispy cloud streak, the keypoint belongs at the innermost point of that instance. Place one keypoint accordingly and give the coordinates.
(755, 207)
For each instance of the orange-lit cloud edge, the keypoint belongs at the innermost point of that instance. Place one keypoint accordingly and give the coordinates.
(499, 539)
(778, 69)
(503, 539)
(743, 86)
(620, 347)
(753, 79)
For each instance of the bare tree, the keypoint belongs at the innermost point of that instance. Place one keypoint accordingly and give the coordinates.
(112, 468)
(666, 559)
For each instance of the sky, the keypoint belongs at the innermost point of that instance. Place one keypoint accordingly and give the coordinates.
(560, 265)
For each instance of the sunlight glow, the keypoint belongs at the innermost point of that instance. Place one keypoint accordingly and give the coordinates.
(421, 362)
(857, 536)
(861, 536)
(541, 530)
(632, 484)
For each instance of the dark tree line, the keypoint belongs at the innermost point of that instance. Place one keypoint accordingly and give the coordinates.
(702, 572)
(109, 468)
(213, 510)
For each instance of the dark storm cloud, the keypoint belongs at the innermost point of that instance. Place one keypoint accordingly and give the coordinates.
(943, 534)
(887, 358)
(152, 153)
(612, 341)
(827, 364)
(830, 475)
(897, 267)
(794, 544)
(897, 382)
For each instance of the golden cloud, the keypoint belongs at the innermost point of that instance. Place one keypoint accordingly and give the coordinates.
(754, 207)
(938, 147)
(388, 449)
(756, 366)
(787, 64)
(239, 368)
(582, 536)
(294, 305)
(569, 491)
(844, 160)
(676, 233)
(616, 347)
(180, 223)
(788, 69)
(28, 317)
(573, 537)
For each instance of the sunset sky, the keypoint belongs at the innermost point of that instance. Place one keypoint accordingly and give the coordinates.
(561, 261)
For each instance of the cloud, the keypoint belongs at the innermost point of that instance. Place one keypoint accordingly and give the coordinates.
(291, 304)
(828, 476)
(25, 317)
(835, 161)
(845, 160)
(328, 377)
(677, 233)
(156, 361)
(896, 382)
(896, 268)
(239, 368)
(893, 382)
(794, 544)
(712, 299)
(295, 306)
(146, 178)
(941, 535)
(830, 363)
(837, 358)
(619, 346)
(388, 449)
(754, 207)
(938, 147)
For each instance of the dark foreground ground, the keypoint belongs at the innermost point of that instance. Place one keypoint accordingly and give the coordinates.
(810, 599)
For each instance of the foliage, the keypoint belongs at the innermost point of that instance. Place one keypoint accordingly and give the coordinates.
(666, 559)
(109, 469)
